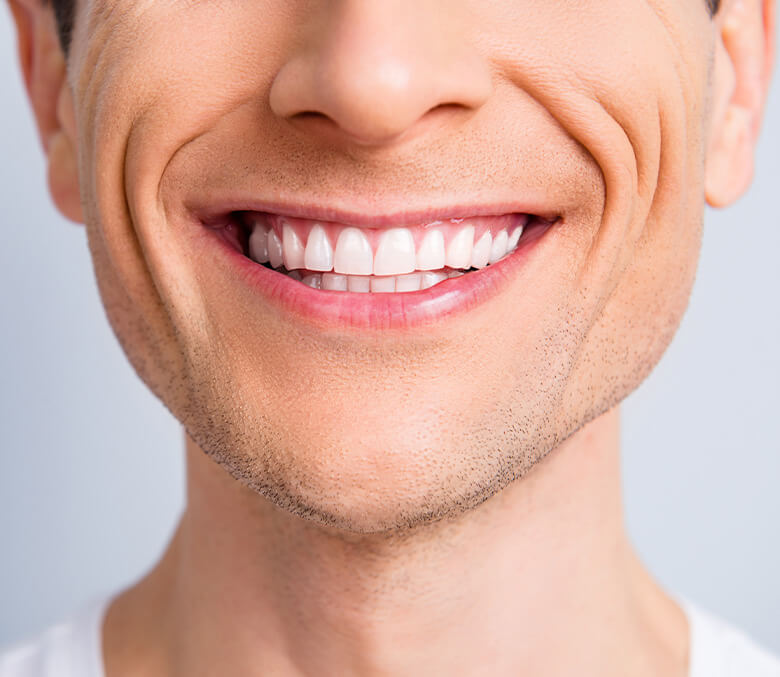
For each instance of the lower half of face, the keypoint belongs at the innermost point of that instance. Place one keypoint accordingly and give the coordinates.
(379, 278)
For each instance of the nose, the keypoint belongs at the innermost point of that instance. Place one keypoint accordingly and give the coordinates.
(371, 70)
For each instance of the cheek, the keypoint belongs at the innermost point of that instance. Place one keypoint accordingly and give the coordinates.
(150, 347)
(640, 318)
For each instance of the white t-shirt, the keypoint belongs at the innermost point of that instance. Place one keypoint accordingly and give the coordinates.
(73, 648)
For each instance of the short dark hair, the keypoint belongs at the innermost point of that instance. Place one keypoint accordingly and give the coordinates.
(65, 9)
(713, 6)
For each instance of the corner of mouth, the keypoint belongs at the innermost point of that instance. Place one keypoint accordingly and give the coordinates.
(383, 275)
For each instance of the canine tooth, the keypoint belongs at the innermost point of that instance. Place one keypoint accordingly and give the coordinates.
(318, 254)
(460, 248)
(499, 246)
(275, 256)
(258, 245)
(430, 278)
(334, 282)
(292, 248)
(455, 273)
(383, 284)
(514, 238)
(314, 280)
(481, 253)
(361, 283)
(410, 282)
(353, 253)
(395, 253)
(430, 255)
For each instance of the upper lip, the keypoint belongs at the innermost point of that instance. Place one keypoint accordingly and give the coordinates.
(215, 212)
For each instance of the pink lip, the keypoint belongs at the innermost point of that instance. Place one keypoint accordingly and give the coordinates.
(214, 213)
(377, 311)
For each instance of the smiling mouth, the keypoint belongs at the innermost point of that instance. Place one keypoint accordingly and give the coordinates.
(330, 256)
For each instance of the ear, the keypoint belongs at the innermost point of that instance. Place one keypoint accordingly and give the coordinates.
(744, 54)
(44, 70)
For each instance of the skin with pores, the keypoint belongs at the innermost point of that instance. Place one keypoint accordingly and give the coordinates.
(225, 368)
(619, 118)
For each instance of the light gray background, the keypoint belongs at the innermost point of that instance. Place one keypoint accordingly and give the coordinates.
(91, 471)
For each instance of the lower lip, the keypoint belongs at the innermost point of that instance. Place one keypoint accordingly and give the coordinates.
(374, 311)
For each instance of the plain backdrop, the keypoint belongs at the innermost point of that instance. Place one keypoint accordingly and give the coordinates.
(91, 464)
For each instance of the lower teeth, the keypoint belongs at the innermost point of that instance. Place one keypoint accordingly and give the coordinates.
(374, 283)
(370, 283)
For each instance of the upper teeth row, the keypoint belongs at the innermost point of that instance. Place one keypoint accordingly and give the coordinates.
(395, 254)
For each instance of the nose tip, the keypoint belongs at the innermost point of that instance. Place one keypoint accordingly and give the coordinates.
(371, 77)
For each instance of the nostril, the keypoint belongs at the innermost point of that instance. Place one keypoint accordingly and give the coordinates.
(310, 115)
(443, 111)
(314, 120)
(447, 107)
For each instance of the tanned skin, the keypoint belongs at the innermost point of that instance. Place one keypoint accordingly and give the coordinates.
(444, 501)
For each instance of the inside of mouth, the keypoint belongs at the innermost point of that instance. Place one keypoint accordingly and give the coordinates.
(239, 229)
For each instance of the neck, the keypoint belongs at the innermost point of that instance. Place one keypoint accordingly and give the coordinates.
(538, 580)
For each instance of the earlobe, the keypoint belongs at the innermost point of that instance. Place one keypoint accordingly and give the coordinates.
(62, 159)
(63, 177)
(741, 73)
(44, 71)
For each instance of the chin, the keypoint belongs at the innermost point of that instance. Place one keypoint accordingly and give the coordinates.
(394, 480)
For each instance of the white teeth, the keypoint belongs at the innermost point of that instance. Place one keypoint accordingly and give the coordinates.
(361, 283)
(353, 253)
(481, 253)
(499, 247)
(368, 283)
(514, 238)
(275, 257)
(428, 279)
(334, 282)
(410, 282)
(396, 266)
(383, 284)
(395, 253)
(295, 275)
(460, 248)
(430, 255)
(314, 281)
(292, 247)
(318, 254)
(258, 245)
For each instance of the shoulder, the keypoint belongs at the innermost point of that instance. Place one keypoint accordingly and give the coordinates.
(719, 649)
(71, 648)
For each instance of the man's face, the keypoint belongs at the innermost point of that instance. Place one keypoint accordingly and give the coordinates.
(590, 119)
